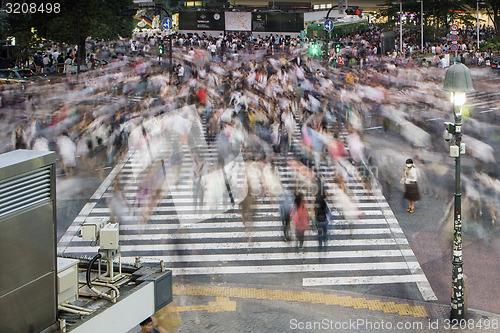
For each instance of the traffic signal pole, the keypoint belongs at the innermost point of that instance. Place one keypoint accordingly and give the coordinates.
(79, 51)
(170, 55)
(160, 50)
(127, 12)
(170, 64)
(328, 33)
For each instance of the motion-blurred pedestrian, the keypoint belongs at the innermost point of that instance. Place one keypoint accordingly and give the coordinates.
(67, 150)
(180, 74)
(19, 140)
(198, 181)
(300, 218)
(247, 211)
(321, 209)
(285, 202)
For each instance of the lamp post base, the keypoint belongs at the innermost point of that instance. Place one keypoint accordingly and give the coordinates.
(457, 311)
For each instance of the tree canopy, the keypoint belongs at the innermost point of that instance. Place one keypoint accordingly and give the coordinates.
(440, 13)
(492, 8)
(97, 18)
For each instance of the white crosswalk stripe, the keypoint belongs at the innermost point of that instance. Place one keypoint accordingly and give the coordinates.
(244, 245)
(274, 256)
(212, 240)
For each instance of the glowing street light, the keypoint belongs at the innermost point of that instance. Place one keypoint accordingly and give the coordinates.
(458, 81)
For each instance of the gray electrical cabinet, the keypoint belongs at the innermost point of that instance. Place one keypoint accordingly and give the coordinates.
(28, 241)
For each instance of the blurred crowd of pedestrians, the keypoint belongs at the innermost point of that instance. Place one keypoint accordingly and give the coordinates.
(272, 106)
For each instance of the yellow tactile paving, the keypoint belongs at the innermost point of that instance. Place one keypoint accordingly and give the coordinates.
(224, 293)
(221, 304)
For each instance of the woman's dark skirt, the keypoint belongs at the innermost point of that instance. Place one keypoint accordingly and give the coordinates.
(411, 192)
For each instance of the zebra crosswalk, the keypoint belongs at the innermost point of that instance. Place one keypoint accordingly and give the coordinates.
(483, 102)
(210, 240)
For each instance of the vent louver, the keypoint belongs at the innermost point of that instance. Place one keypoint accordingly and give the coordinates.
(25, 190)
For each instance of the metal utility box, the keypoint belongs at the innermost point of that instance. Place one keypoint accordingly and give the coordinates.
(67, 280)
(91, 227)
(28, 241)
(108, 236)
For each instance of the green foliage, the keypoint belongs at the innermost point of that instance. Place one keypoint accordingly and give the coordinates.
(3, 27)
(492, 8)
(438, 13)
(492, 44)
(96, 18)
(174, 5)
(26, 38)
(435, 34)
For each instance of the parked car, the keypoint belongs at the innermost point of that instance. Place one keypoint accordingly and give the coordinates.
(20, 76)
(495, 62)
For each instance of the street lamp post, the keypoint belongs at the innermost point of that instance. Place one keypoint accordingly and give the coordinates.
(458, 81)
(78, 36)
(477, 24)
(477, 21)
(421, 25)
(401, 27)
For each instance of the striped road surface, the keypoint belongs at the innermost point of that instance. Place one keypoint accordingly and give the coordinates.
(211, 241)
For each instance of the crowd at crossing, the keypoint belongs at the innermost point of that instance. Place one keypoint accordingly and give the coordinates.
(245, 162)
(248, 157)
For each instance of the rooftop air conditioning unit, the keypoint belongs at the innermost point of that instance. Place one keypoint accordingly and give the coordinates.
(28, 227)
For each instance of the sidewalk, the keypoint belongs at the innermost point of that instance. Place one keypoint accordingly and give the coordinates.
(239, 309)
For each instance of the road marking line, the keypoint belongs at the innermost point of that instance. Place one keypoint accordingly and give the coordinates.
(235, 234)
(238, 224)
(184, 186)
(213, 225)
(401, 309)
(242, 234)
(380, 279)
(272, 256)
(207, 214)
(232, 246)
(174, 209)
(188, 197)
(299, 268)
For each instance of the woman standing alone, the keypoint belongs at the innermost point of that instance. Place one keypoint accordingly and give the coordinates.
(411, 188)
